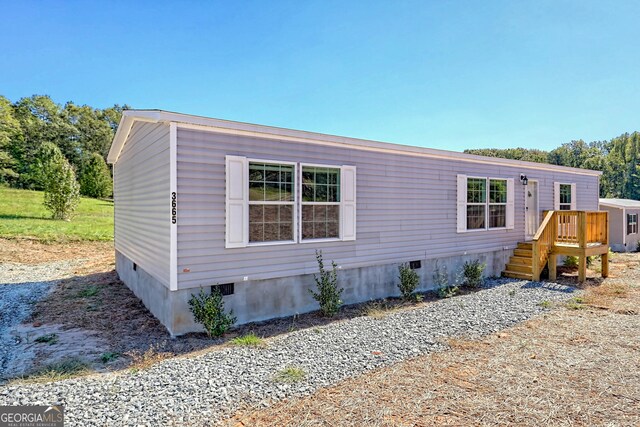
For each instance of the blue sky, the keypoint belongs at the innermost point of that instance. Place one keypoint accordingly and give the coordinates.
(442, 74)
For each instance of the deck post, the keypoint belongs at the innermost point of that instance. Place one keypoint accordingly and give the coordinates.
(553, 267)
(604, 259)
(535, 261)
(582, 243)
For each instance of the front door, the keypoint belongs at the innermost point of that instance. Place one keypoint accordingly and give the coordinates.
(531, 211)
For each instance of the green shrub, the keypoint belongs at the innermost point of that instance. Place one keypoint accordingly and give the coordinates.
(328, 295)
(408, 281)
(95, 178)
(61, 190)
(441, 280)
(637, 248)
(571, 261)
(472, 272)
(208, 310)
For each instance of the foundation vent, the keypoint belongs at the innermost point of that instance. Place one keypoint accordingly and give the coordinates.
(225, 289)
(415, 264)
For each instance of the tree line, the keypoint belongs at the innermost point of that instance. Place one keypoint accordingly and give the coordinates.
(36, 131)
(617, 158)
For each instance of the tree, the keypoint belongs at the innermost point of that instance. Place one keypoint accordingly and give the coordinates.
(10, 132)
(42, 120)
(95, 178)
(62, 193)
(93, 130)
(46, 155)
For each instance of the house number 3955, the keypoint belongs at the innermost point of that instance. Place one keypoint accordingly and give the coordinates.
(174, 208)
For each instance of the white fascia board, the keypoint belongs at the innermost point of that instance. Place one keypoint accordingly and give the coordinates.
(124, 128)
(270, 132)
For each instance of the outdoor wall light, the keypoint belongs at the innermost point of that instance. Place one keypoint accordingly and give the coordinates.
(524, 179)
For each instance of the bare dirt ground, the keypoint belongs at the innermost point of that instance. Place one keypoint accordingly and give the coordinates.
(578, 365)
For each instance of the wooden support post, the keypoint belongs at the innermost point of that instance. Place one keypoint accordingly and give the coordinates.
(582, 229)
(582, 268)
(553, 267)
(604, 258)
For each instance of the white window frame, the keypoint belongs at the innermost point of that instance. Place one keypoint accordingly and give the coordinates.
(339, 204)
(486, 204)
(257, 202)
(633, 223)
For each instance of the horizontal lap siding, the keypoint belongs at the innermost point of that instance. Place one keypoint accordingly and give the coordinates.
(141, 182)
(406, 209)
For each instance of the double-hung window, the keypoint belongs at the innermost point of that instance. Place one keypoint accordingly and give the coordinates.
(320, 202)
(485, 203)
(271, 202)
(565, 197)
(632, 223)
(275, 202)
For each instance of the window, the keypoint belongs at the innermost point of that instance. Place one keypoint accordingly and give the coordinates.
(280, 202)
(271, 202)
(565, 197)
(486, 205)
(632, 223)
(320, 202)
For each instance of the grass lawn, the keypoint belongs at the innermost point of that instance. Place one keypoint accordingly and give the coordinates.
(23, 215)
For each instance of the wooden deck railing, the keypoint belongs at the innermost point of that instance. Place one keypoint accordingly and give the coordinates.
(543, 243)
(575, 230)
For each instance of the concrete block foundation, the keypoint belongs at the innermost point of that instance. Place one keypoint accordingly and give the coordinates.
(259, 300)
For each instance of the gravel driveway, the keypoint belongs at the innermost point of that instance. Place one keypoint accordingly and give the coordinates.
(20, 287)
(199, 390)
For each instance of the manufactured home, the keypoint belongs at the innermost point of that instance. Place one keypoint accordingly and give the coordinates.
(203, 203)
(623, 223)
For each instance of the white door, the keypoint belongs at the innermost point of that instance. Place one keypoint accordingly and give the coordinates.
(531, 211)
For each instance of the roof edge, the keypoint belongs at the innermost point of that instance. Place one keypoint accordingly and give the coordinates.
(131, 116)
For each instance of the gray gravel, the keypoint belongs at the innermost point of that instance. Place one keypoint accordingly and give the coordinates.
(21, 286)
(199, 390)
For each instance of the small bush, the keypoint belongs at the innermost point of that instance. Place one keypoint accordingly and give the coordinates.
(637, 248)
(249, 340)
(61, 190)
(441, 279)
(408, 281)
(208, 310)
(472, 272)
(328, 295)
(571, 261)
(290, 375)
(95, 178)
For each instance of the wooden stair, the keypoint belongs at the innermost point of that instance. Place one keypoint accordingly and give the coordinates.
(520, 264)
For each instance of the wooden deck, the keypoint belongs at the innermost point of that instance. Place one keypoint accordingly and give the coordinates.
(572, 233)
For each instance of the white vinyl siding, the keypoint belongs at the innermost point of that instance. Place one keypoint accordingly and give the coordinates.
(142, 200)
(406, 208)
